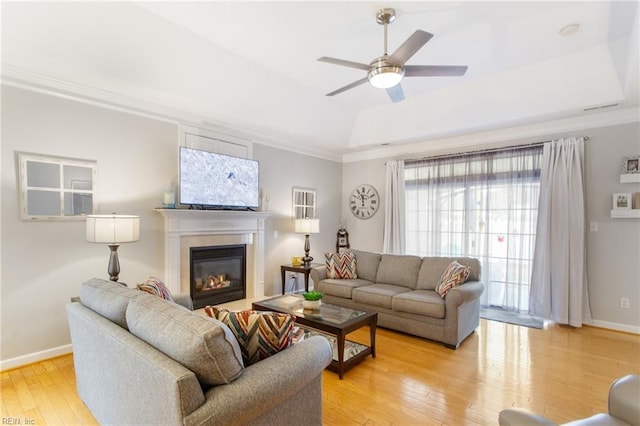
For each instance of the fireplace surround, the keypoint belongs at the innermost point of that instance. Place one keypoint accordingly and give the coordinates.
(184, 229)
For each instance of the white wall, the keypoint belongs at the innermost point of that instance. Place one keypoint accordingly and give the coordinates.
(613, 253)
(44, 263)
(364, 234)
(280, 171)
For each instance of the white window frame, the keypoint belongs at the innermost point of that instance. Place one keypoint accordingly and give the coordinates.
(76, 188)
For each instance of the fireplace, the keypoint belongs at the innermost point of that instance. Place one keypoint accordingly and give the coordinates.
(184, 228)
(217, 274)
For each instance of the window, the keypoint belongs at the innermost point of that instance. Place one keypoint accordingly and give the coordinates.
(55, 188)
(304, 203)
(481, 205)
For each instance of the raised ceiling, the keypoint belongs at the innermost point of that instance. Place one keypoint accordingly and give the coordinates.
(252, 66)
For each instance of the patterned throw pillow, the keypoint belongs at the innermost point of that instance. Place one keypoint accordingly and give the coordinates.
(156, 287)
(260, 334)
(341, 266)
(454, 275)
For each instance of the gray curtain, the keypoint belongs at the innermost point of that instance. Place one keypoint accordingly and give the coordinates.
(559, 274)
(394, 219)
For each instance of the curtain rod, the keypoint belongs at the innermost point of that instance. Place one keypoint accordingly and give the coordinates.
(483, 151)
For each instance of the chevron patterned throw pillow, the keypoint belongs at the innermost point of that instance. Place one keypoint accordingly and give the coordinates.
(260, 334)
(156, 287)
(453, 276)
(341, 266)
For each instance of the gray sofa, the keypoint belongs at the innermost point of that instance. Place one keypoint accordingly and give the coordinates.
(401, 288)
(121, 338)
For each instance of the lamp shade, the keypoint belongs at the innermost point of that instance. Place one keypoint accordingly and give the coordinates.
(113, 228)
(307, 226)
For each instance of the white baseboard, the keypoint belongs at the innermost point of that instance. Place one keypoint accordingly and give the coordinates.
(615, 326)
(19, 361)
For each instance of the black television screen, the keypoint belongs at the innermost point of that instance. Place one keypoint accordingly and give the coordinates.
(208, 179)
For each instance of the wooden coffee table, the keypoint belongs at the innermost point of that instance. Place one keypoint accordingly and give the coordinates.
(333, 320)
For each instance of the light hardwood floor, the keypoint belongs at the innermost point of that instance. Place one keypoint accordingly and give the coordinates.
(560, 372)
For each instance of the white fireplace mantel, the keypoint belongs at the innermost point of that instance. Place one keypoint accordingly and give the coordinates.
(183, 224)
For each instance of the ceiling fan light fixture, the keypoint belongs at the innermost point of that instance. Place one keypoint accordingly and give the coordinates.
(384, 74)
(387, 71)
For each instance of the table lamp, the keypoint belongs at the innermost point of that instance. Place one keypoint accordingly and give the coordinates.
(307, 226)
(113, 230)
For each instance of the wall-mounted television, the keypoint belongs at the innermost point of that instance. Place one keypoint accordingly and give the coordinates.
(210, 180)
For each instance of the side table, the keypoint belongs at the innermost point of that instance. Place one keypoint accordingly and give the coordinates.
(300, 269)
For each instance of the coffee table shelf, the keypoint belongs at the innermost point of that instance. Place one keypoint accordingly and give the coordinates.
(351, 348)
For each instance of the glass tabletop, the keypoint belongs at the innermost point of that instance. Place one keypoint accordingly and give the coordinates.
(327, 313)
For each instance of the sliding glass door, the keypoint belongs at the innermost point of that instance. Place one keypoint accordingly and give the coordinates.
(481, 205)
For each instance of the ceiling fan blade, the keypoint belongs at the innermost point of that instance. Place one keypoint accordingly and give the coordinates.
(411, 46)
(434, 70)
(344, 63)
(395, 93)
(348, 86)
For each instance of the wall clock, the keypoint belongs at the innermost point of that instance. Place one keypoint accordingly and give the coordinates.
(364, 201)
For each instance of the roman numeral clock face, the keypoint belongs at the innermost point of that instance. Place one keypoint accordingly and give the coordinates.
(364, 201)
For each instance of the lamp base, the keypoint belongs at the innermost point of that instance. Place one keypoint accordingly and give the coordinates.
(114, 265)
(306, 260)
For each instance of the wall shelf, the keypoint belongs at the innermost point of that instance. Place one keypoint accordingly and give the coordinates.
(625, 213)
(630, 178)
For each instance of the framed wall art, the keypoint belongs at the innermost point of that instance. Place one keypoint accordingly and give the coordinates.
(630, 165)
(622, 201)
(55, 188)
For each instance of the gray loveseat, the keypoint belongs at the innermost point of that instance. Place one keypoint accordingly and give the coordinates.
(401, 288)
(120, 339)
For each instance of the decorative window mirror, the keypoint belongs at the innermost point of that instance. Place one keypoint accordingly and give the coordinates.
(304, 203)
(55, 188)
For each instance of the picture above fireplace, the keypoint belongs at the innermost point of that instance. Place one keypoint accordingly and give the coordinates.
(217, 274)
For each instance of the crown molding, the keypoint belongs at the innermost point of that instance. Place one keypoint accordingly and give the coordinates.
(27, 80)
(40, 83)
(495, 138)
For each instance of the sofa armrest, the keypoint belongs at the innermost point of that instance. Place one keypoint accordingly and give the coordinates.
(624, 399)
(183, 299)
(521, 417)
(467, 292)
(265, 385)
(318, 274)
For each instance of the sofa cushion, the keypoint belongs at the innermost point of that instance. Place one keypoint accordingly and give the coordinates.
(155, 287)
(341, 265)
(203, 345)
(453, 276)
(433, 267)
(341, 288)
(260, 334)
(367, 264)
(399, 270)
(421, 302)
(107, 298)
(377, 294)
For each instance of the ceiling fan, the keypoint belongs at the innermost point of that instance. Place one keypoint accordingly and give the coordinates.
(387, 71)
